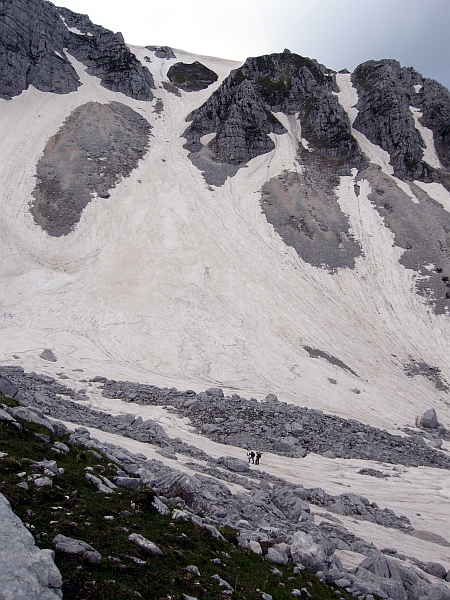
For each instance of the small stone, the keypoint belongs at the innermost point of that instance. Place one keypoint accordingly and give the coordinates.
(145, 543)
(47, 354)
(193, 569)
(42, 482)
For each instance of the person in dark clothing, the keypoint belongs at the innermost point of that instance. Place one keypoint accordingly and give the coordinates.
(251, 457)
(258, 456)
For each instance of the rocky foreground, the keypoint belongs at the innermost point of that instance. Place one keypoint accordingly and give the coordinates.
(273, 517)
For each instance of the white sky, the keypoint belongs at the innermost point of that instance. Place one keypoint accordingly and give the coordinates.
(338, 33)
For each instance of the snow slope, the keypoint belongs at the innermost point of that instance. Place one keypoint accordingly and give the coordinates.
(176, 283)
(172, 282)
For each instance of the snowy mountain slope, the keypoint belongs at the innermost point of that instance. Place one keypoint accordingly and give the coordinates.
(170, 277)
(177, 277)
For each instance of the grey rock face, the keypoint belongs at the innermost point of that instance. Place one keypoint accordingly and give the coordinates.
(191, 77)
(27, 573)
(386, 92)
(71, 546)
(97, 145)
(32, 41)
(106, 56)
(240, 112)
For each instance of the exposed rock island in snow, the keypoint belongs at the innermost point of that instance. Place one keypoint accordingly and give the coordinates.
(268, 228)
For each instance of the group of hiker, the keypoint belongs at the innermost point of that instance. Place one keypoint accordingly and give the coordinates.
(253, 457)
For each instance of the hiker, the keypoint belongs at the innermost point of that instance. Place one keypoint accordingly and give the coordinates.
(258, 456)
(251, 457)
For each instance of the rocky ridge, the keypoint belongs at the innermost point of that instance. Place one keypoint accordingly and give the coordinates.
(386, 91)
(240, 114)
(269, 426)
(33, 38)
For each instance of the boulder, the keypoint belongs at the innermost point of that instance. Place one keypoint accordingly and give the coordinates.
(429, 419)
(47, 354)
(129, 483)
(143, 542)
(435, 569)
(72, 546)
(32, 416)
(4, 416)
(307, 552)
(233, 464)
(255, 546)
(216, 392)
(223, 583)
(7, 388)
(272, 398)
(102, 488)
(277, 556)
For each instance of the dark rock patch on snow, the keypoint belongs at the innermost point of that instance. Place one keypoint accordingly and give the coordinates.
(191, 77)
(304, 210)
(422, 230)
(314, 353)
(97, 145)
(162, 51)
(417, 367)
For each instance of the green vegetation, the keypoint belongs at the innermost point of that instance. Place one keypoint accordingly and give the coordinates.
(273, 92)
(73, 507)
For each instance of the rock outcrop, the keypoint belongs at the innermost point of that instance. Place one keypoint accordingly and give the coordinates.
(33, 37)
(241, 113)
(27, 573)
(386, 92)
(191, 77)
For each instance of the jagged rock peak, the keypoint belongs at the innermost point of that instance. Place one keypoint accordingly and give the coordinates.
(241, 111)
(33, 38)
(386, 91)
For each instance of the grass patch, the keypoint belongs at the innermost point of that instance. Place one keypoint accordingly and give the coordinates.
(73, 507)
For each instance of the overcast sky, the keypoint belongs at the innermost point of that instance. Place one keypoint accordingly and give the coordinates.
(338, 33)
